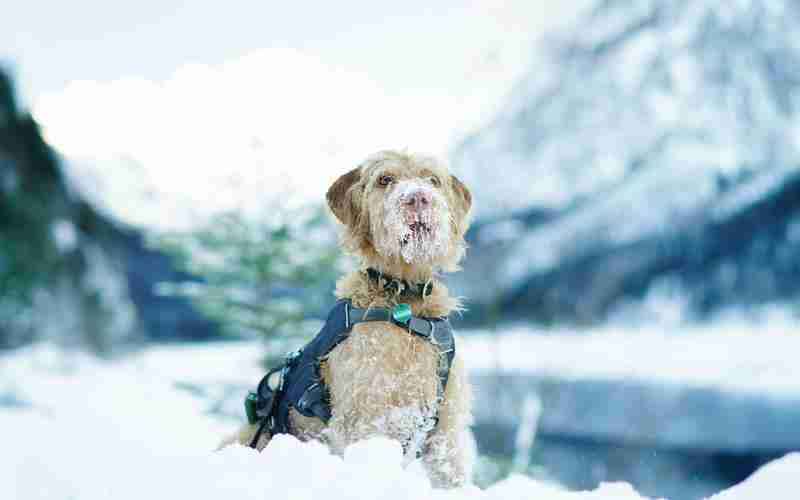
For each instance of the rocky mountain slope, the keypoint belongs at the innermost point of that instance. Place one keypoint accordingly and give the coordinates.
(67, 272)
(661, 138)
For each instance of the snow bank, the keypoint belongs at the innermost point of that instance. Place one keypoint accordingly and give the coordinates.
(87, 429)
(293, 470)
(286, 469)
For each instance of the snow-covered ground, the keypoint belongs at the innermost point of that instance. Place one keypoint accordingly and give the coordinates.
(733, 355)
(72, 426)
(731, 386)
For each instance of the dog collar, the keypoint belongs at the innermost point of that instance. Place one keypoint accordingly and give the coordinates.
(400, 286)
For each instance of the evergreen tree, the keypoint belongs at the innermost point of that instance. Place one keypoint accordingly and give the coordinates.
(62, 275)
(266, 275)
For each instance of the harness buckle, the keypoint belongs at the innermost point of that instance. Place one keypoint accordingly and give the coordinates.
(291, 356)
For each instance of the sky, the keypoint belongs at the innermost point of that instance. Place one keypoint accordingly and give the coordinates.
(166, 111)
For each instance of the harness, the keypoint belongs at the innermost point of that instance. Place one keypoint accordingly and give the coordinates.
(298, 383)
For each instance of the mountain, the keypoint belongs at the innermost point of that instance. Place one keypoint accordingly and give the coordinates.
(662, 138)
(69, 273)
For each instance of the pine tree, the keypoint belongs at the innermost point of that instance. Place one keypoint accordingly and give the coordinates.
(62, 271)
(259, 275)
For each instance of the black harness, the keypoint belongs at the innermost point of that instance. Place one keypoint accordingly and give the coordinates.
(298, 383)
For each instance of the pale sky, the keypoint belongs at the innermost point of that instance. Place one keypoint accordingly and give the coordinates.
(166, 110)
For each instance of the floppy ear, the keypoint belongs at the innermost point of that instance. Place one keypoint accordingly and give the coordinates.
(463, 196)
(340, 200)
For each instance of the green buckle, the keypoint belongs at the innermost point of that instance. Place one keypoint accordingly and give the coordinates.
(401, 313)
(250, 407)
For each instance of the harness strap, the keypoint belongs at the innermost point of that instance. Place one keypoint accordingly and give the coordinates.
(436, 331)
(297, 383)
(425, 328)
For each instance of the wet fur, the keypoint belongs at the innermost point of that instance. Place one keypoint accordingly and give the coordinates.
(381, 379)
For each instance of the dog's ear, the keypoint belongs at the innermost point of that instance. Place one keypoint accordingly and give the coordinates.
(340, 199)
(462, 195)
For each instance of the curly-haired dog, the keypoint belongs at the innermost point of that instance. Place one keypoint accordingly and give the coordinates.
(404, 218)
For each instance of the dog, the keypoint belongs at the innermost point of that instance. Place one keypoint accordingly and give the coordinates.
(404, 218)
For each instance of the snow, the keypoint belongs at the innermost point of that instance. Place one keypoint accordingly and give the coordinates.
(395, 234)
(650, 204)
(732, 386)
(657, 85)
(719, 355)
(73, 426)
(65, 235)
(752, 192)
(542, 248)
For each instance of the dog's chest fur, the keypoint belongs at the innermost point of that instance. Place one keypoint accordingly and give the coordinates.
(390, 377)
(383, 363)
(387, 376)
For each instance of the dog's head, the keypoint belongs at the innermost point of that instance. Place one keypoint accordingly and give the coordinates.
(403, 211)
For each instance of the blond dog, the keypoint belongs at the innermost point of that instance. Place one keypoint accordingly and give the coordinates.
(405, 216)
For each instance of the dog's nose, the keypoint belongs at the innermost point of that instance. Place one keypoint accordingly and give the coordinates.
(418, 199)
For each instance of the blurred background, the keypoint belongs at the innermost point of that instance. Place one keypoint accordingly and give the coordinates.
(633, 280)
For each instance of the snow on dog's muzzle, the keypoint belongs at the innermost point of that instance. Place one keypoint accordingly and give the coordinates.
(415, 220)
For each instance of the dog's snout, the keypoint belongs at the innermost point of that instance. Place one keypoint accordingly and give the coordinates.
(418, 199)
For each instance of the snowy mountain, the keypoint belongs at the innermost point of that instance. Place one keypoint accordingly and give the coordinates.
(662, 138)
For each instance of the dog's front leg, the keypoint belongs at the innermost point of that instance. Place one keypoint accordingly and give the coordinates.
(343, 431)
(448, 452)
(355, 417)
(372, 411)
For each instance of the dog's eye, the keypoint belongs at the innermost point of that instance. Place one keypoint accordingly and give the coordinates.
(385, 180)
(435, 181)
